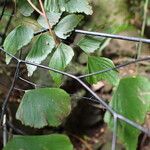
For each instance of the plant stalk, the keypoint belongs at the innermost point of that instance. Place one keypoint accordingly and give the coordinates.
(139, 48)
(57, 42)
(35, 8)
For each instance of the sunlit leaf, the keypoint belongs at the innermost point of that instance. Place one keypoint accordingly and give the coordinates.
(132, 100)
(44, 106)
(16, 39)
(53, 18)
(71, 6)
(42, 142)
(80, 6)
(41, 48)
(64, 28)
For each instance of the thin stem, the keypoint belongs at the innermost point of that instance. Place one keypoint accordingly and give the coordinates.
(106, 35)
(35, 8)
(139, 48)
(29, 82)
(40, 32)
(143, 27)
(9, 21)
(49, 26)
(114, 36)
(7, 26)
(116, 67)
(3, 10)
(4, 131)
(114, 139)
(132, 123)
(4, 105)
(18, 131)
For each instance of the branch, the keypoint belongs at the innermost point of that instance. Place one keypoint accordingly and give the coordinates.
(139, 48)
(3, 10)
(116, 67)
(35, 8)
(105, 35)
(49, 26)
(4, 105)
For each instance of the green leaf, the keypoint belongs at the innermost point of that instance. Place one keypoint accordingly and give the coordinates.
(25, 8)
(42, 142)
(53, 18)
(52, 5)
(44, 106)
(101, 63)
(71, 6)
(28, 22)
(16, 39)
(60, 59)
(132, 100)
(89, 44)
(80, 6)
(41, 48)
(64, 28)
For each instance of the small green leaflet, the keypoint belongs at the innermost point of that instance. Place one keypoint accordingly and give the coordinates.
(52, 5)
(44, 106)
(40, 142)
(16, 39)
(101, 63)
(132, 100)
(89, 44)
(60, 59)
(41, 48)
(53, 18)
(70, 6)
(80, 6)
(64, 28)
(25, 8)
